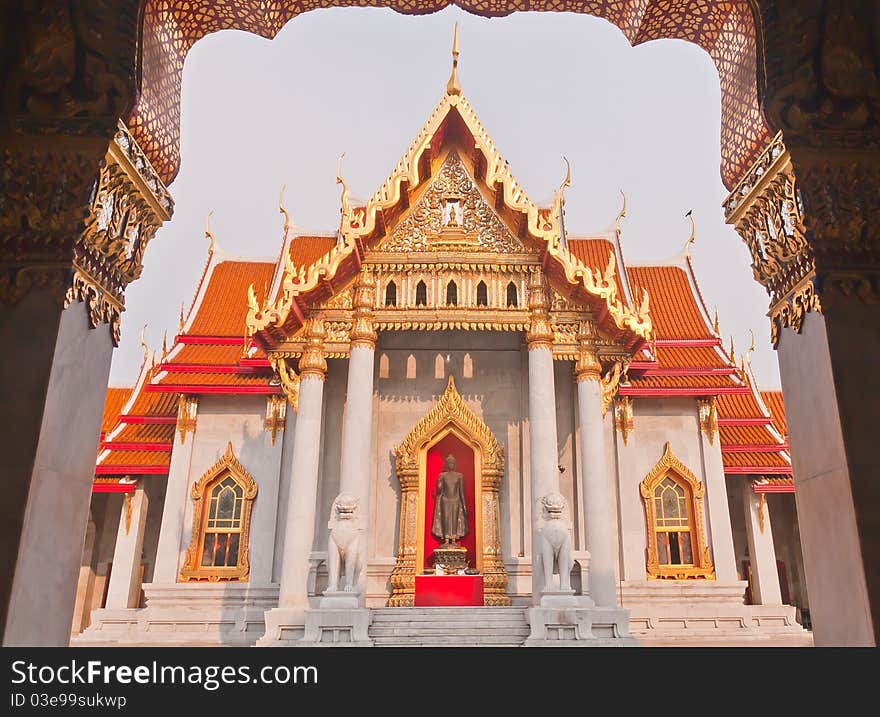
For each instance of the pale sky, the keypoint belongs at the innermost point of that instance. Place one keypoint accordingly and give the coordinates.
(257, 114)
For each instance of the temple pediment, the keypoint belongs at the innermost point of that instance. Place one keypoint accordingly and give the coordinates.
(452, 214)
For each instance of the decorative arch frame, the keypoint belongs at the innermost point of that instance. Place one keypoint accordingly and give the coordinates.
(702, 568)
(450, 415)
(192, 570)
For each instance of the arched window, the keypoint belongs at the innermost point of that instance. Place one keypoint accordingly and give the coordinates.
(222, 498)
(673, 498)
(482, 294)
(512, 296)
(391, 294)
(421, 294)
(451, 294)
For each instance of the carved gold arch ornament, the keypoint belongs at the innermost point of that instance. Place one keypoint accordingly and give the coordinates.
(678, 472)
(450, 415)
(193, 570)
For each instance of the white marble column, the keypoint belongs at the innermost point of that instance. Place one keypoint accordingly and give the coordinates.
(597, 496)
(171, 532)
(543, 445)
(762, 553)
(125, 583)
(357, 422)
(302, 501)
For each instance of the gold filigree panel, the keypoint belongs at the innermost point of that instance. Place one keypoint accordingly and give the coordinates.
(452, 213)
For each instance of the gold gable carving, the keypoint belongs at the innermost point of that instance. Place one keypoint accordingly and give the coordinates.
(452, 214)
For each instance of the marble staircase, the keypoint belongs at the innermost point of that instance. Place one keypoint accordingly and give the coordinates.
(449, 627)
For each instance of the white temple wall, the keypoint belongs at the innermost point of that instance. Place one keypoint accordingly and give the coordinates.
(656, 421)
(239, 420)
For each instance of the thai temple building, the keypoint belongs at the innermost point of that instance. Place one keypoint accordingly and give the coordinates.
(451, 419)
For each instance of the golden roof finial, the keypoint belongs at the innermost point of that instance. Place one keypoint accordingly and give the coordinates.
(164, 344)
(144, 342)
(282, 210)
(453, 87)
(748, 357)
(693, 237)
(182, 321)
(621, 214)
(208, 234)
(732, 352)
(715, 325)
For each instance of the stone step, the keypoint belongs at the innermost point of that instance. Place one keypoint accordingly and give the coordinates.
(450, 630)
(442, 642)
(449, 627)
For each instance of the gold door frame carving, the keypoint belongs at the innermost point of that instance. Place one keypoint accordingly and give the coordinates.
(450, 415)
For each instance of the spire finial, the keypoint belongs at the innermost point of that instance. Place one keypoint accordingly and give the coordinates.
(693, 237)
(282, 210)
(208, 234)
(144, 342)
(452, 87)
(716, 325)
(181, 321)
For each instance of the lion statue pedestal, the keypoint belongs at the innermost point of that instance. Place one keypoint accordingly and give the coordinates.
(340, 621)
(564, 619)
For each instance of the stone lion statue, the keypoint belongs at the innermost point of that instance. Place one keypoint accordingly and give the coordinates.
(343, 549)
(556, 542)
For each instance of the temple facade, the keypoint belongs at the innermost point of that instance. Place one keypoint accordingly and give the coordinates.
(272, 477)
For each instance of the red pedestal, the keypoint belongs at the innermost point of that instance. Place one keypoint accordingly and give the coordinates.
(449, 590)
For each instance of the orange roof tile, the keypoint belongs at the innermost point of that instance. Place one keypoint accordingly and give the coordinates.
(154, 404)
(136, 458)
(211, 379)
(744, 435)
(775, 403)
(682, 381)
(207, 354)
(754, 459)
(113, 403)
(675, 312)
(306, 250)
(223, 308)
(594, 254)
(138, 432)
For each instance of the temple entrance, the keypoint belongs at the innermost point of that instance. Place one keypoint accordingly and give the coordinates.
(449, 548)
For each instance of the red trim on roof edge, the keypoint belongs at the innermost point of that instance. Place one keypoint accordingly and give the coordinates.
(205, 368)
(686, 343)
(148, 420)
(690, 371)
(103, 470)
(135, 446)
(753, 447)
(772, 488)
(746, 421)
(757, 470)
(647, 392)
(113, 487)
(196, 389)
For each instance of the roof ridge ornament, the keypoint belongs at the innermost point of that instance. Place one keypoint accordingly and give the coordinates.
(453, 87)
(282, 210)
(209, 234)
(693, 237)
(621, 214)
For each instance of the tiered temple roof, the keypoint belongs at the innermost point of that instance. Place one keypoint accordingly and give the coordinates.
(221, 346)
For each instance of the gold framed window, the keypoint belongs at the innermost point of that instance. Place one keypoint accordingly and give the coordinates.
(222, 501)
(673, 496)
